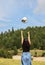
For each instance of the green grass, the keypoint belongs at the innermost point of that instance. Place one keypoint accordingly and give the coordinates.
(9, 62)
(38, 63)
(17, 62)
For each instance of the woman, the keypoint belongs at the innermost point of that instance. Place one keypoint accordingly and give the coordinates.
(26, 56)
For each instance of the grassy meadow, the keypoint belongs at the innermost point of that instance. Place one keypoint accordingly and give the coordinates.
(18, 62)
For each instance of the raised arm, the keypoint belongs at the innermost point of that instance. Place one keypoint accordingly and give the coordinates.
(29, 38)
(22, 38)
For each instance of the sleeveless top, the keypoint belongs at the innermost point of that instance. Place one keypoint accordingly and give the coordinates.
(26, 46)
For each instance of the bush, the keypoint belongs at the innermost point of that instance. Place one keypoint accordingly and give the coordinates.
(15, 50)
(43, 54)
(8, 53)
(1, 52)
(5, 54)
(35, 54)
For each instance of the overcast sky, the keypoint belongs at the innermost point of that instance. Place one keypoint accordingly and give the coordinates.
(12, 11)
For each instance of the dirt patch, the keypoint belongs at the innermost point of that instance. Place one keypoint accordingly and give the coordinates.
(16, 57)
(39, 58)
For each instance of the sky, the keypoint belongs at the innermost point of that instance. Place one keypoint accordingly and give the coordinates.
(12, 11)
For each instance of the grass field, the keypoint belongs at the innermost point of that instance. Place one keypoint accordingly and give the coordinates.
(17, 62)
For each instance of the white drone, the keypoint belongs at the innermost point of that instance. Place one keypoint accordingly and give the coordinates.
(24, 20)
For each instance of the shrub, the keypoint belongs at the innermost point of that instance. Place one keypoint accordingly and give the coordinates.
(15, 50)
(5, 54)
(35, 54)
(43, 54)
(1, 52)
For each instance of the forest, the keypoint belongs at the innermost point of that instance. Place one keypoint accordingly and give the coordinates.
(11, 39)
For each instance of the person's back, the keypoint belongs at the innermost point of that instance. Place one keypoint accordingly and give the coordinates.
(26, 45)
